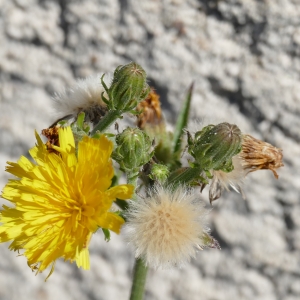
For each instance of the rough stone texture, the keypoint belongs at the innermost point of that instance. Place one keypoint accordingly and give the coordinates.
(244, 56)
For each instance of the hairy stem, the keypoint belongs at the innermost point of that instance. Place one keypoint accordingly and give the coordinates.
(106, 121)
(139, 280)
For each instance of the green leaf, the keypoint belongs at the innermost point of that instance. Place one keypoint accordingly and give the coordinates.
(210, 242)
(182, 120)
(63, 123)
(80, 120)
(183, 176)
(106, 233)
(122, 204)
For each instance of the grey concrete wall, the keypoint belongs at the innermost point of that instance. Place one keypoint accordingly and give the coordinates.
(244, 56)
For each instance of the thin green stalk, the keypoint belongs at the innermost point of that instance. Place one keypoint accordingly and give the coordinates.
(139, 280)
(182, 120)
(140, 270)
(106, 121)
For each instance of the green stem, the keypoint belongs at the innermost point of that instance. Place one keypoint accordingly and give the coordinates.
(106, 121)
(184, 177)
(140, 270)
(132, 178)
(139, 280)
(182, 121)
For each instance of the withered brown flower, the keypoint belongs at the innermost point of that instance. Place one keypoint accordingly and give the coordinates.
(150, 110)
(259, 155)
(255, 155)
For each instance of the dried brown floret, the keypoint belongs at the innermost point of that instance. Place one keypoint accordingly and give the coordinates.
(259, 155)
(52, 135)
(150, 110)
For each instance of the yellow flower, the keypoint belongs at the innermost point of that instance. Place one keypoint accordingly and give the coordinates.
(61, 200)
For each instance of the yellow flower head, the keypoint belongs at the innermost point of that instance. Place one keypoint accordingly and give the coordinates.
(61, 200)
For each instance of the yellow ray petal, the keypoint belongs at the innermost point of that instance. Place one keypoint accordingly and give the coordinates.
(122, 191)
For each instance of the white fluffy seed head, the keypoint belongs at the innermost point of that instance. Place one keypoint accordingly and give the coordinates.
(85, 95)
(166, 228)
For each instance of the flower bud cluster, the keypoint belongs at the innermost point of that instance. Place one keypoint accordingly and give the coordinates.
(72, 185)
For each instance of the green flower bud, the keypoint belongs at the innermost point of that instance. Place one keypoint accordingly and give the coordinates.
(214, 146)
(159, 173)
(128, 87)
(133, 149)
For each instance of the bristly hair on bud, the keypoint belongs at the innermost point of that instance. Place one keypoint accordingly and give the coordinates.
(128, 88)
(214, 146)
(259, 155)
(167, 227)
(159, 173)
(86, 96)
(133, 149)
